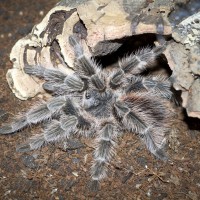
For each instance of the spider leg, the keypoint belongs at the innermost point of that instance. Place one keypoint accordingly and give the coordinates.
(158, 85)
(53, 87)
(70, 122)
(137, 63)
(47, 74)
(104, 151)
(116, 79)
(146, 118)
(86, 126)
(86, 66)
(72, 83)
(56, 80)
(35, 115)
(55, 131)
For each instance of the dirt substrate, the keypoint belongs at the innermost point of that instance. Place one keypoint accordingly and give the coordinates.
(53, 173)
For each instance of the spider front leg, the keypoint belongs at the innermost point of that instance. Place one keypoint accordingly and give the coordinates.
(56, 81)
(35, 115)
(47, 74)
(86, 66)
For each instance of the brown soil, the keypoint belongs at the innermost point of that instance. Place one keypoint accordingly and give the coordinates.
(53, 173)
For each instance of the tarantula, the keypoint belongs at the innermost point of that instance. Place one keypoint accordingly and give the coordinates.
(101, 103)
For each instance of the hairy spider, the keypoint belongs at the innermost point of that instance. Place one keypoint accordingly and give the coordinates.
(100, 103)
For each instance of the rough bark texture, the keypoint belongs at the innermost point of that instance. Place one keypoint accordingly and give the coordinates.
(183, 57)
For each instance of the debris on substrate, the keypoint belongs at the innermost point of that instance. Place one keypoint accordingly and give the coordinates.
(62, 172)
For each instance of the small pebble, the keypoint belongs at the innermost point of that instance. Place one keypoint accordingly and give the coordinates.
(137, 186)
(75, 174)
(54, 190)
(41, 13)
(7, 192)
(149, 193)
(9, 34)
